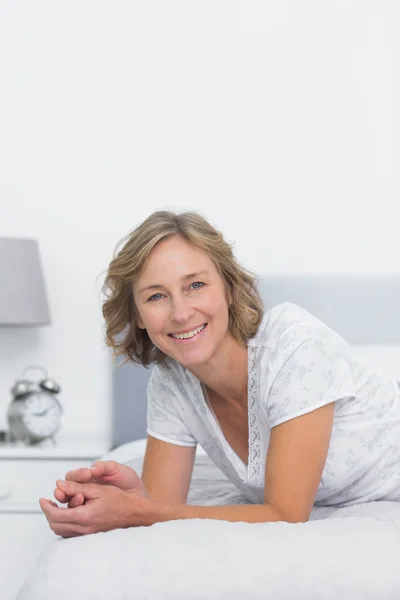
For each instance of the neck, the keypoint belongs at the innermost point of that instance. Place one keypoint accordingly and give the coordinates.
(225, 374)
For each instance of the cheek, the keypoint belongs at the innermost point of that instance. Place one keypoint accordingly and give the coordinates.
(154, 333)
(153, 318)
(218, 307)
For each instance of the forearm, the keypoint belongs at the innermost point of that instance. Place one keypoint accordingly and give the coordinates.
(156, 512)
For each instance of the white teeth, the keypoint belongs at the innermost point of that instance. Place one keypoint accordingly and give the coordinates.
(189, 334)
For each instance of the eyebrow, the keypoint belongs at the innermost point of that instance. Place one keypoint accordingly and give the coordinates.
(156, 286)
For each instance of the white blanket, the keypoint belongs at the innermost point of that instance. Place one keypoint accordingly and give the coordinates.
(351, 553)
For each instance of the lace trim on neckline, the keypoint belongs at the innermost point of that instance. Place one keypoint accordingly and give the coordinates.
(254, 460)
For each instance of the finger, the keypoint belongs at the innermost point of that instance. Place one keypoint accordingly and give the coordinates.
(61, 496)
(82, 475)
(107, 468)
(77, 500)
(70, 488)
(59, 514)
(46, 505)
(68, 530)
(45, 502)
(71, 500)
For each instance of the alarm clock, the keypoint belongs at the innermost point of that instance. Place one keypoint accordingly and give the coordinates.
(35, 413)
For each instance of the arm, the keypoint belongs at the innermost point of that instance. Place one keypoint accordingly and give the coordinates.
(294, 464)
(167, 470)
(167, 467)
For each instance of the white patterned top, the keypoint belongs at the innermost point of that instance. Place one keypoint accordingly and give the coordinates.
(296, 364)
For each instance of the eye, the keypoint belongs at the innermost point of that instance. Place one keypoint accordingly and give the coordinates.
(154, 297)
(197, 285)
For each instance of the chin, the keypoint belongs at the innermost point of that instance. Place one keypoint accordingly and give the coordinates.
(189, 358)
(196, 360)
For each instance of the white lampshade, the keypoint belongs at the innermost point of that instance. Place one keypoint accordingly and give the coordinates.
(23, 299)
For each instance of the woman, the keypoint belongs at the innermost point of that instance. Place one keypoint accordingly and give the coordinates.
(278, 400)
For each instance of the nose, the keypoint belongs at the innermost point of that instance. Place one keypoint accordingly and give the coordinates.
(181, 310)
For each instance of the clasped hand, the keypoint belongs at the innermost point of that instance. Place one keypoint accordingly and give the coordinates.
(106, 496)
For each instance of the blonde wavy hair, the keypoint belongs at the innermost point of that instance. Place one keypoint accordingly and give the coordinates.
(122, 332)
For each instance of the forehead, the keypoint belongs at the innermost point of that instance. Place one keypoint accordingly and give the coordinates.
(176, 256)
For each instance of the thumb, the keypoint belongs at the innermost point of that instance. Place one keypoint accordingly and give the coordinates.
(107, 468)
(70, 488)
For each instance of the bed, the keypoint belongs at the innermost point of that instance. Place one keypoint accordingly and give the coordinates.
(348, 553)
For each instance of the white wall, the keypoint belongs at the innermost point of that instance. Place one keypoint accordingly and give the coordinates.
(278, 120)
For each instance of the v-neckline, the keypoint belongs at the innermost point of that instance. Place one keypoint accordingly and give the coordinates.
(233, 457)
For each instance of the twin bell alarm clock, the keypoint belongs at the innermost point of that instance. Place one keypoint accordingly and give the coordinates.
(35, 412)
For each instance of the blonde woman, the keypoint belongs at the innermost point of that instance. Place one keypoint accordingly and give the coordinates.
(278, 400)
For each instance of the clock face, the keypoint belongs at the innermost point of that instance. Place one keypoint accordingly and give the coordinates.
(41, 414)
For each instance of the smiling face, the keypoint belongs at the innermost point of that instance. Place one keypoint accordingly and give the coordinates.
(182, 302)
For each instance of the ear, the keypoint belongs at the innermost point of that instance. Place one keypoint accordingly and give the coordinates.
(138, 318)
(139, 321)
(230, 296)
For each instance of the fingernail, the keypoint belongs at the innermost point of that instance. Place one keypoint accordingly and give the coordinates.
(60, 483)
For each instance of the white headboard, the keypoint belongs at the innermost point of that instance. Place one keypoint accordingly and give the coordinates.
(363, 309)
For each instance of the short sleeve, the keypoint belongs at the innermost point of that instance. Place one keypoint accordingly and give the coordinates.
(163, 420)
(317, 372)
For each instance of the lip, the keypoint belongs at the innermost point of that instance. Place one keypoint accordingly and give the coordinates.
(187, 330)
(190, 340)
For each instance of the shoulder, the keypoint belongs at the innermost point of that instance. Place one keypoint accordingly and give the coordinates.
(288, 327)
(300, 363)
(286, 318)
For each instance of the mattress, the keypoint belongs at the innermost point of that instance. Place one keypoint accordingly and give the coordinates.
(348, 553)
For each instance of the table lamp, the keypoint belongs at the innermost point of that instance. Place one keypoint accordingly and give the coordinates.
(23, 300)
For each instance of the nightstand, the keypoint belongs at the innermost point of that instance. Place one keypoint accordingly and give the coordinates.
(28, 473)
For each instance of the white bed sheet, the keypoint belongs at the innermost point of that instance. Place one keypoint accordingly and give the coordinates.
(350, 553)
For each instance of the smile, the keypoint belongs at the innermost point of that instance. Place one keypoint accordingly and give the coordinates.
(188, 334)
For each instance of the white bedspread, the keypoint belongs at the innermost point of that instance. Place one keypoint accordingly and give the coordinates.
(351, 553)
